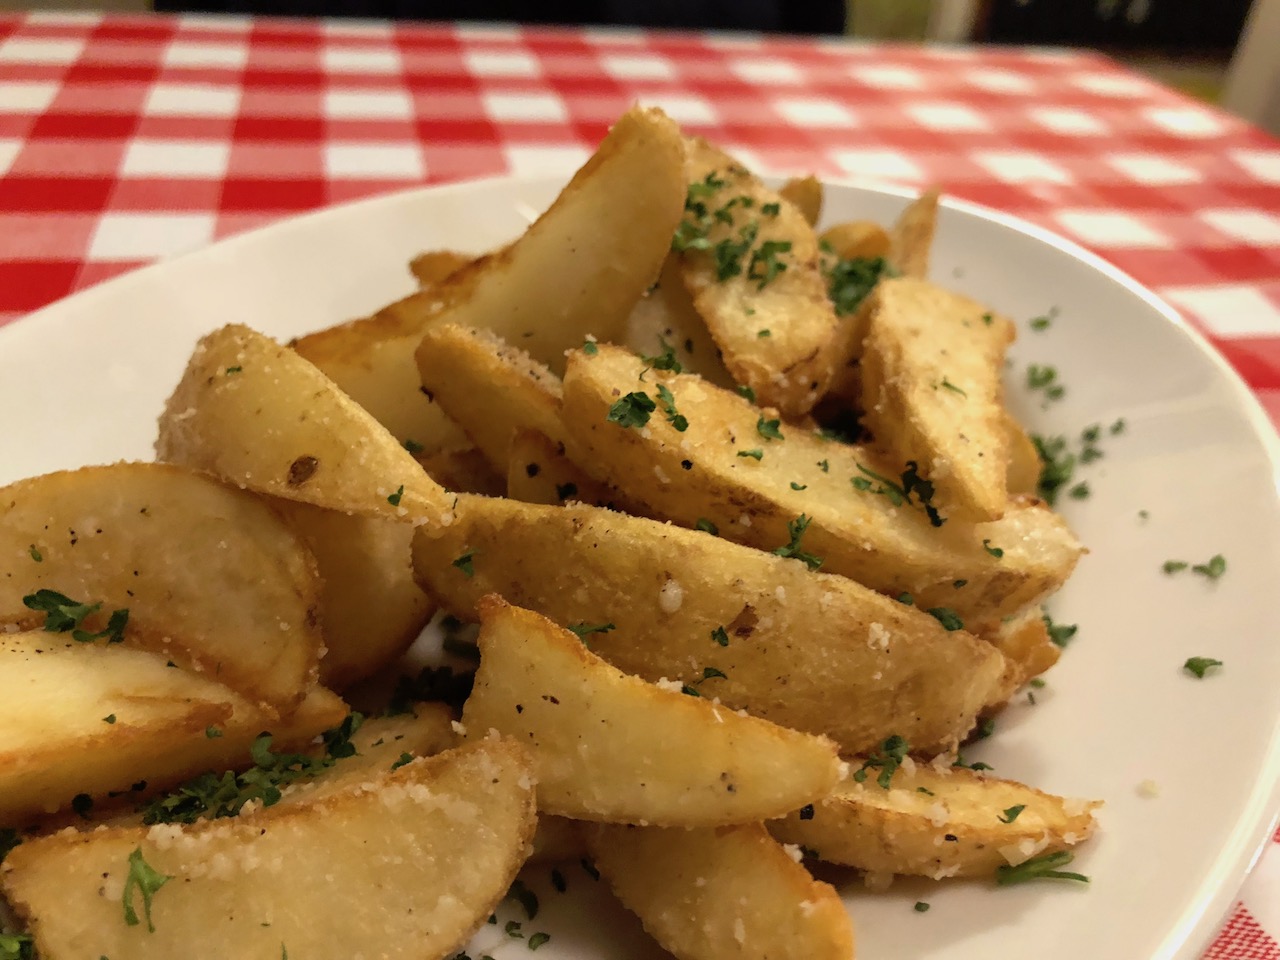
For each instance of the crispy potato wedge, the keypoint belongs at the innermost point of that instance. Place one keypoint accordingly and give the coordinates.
(463, 470)
(574, 272)
(437, 266)
(856, 240)
(1028, 652)
(435, 843)
(932, 392)
(665, 319)
(809, 651)
(92, 718)
(171, 547)
(771, 318)
(911, 236)
(611, 747)
(937, 823)
(858, 533)
(805, 193)
(722, 893)
(1023, 474)
(488, 387)
(539, 472)
(258, 415)
(371, 608)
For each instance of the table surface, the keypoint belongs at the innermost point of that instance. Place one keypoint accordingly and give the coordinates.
(128, 138)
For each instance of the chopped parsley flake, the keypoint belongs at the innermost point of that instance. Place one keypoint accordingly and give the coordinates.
(589, 348)
(404, 758)
(525, 897)
(948, 385)
(765, 265)
(708, 673)
(756, 454)
(1057, 464)
(632, 410)
(212, 733)
(1213, 569)
(231, 370)
(145, 880)
(538, 939)
(62, 614)
(584, 630)
(1011, 813)
(109, 718)
(824, 466)
(796, 529)
(706, 526)
(747, 393)
(558, 881)
(721, 636)
(18, 946)
(413, 446)
(1198, 666)
(1044, 377)
(1080, 491)
(897, 494)
(394, 499)
(762, 334)
(947, 617)
(668, 401)
(799, 486)
(465, 564)
(35, 554)
(1044, 321)
(1059, 633)
(921, 907)
(1174, 566)
(887, 759)
(1044, 867)
(996, 552)
(666, 360)
(988, 319)
(850, 281)
(906, 599)
(769, 429)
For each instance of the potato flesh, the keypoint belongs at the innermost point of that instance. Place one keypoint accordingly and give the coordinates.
(364, 565)
(786, 366)
(953, 830)
(488, 387)
(810, 651)
(55, 698)
(436, 266)
(805, 194)
(170, 546)
(722, 893)
(431, 847)
(932, 392)
(258, 415)
(911, 236)
(539, 472)
(1027, 649)
(858, 534)
(573, 272)
(611, 747)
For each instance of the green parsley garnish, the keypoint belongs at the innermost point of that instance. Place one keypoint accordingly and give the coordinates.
(632, 410)
(762, 334)
(109, 718)
(721, 636)
(850, 281)
(1174, 566)
(1057, 464)
(394, 499)
(799, 486)
(35, 554)
(706, 526)
(1011, 813)
(756, 454)
(906, 599)
(589, 348)
(708, 673)
(18, 946)
(921, 907)
(413, 446)
(584, 630)
(769, 429)
(747, 393)
(1213, 569)
(231, 370)
(824, 466)
(62, 614)
(897, 494)
(404, 758)
(668, 401)
(146, 880)
(1118, 427)
(212, 733)
(765, 265)
(1043, 321)
(887, 759)
(558, 881)
(465, 564)
(1200, 665)
(1044, 867)
(1080, 491)
(666, 360)
(538, 939)
(947, 617)
(796, 528)
(523, 896)
(988, 319)
(1059, 633)
(948, 385)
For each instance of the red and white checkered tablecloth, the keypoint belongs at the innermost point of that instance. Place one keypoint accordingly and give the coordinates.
(124, 139)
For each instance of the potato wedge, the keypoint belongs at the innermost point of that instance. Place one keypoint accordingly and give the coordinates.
(574, 272)
(1023, 474)
(610, 747)
(488, 387)
(665, 319)
(371, 608)
(805, 193)
(722, 893)
(755, 278)
(932, 392)
(92, 718)
(936, 822)
(856, 240)
(911, 236)
(1027, 650)
(436, 266)
(171, 547)
(809, 651)
(436, 842)
(258, 415)
(859, 533)
(539, 472)
(463, 470)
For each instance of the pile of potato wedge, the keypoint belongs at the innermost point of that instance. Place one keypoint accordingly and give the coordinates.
(750, 538)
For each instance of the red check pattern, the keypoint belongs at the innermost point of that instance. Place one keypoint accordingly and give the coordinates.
(124, 139)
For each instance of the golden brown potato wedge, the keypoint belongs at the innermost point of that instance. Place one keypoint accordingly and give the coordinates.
(170, 547)
(805, 193)
(258, 415)
(1023, 475)
(436, 266)
(463, 470)
(936, 822)
(488, 387)
(664, 319)
(911, 236)
(1027, 649)
(805, 650)
(92, 718)
(575, 272)
(371, 608)
(852, 520)
(435, 843)
(539, 472)
(611, 747)
(856, 240)
(932, 392)
(722, 893)
(750, 261)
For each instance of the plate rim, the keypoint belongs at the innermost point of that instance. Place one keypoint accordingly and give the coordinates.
(1191, 935)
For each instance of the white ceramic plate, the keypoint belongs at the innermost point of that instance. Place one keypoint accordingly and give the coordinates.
(83, 380)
